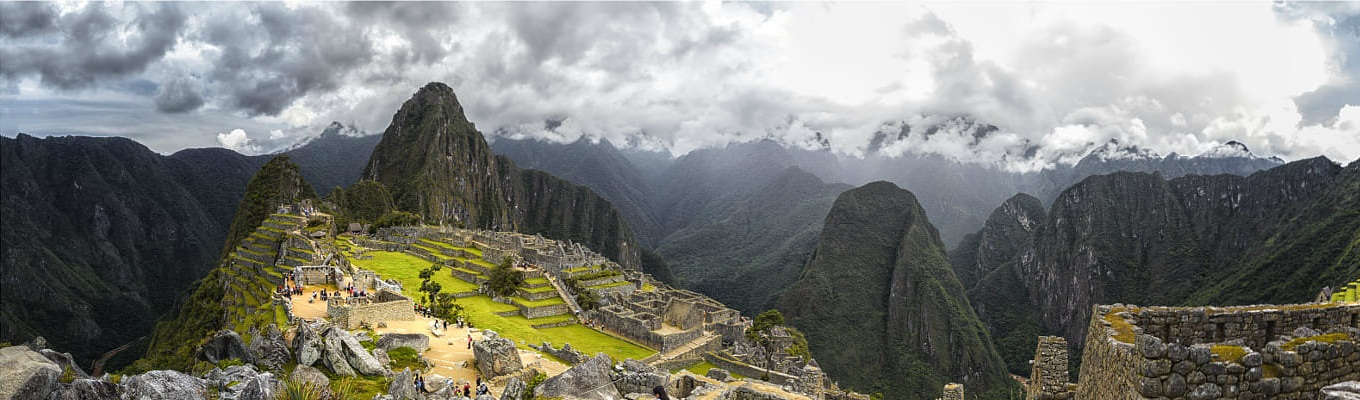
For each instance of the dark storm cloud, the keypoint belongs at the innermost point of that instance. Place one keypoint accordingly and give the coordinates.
(90, 45)
(179, 96)
(416, 22)
(268, 56)
(1338, 24)
(26, 19)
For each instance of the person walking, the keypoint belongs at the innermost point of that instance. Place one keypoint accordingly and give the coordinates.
(469, 341)
(660, 393)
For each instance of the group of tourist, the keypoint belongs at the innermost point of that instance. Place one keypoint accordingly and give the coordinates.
(290, 290)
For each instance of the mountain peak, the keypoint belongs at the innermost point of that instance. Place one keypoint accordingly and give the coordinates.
(1231, 149)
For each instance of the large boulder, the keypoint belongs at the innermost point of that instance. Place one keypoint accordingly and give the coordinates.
(243, 382)
(638, 377)
(1349, 390)
(496, 356)
(163, 385)
(84, 389)
(588, 380)
(418, 341)
(224, 345)
(308, 345)
(514, 389)
(403, 386)
(311, 375)
(359, 357)
(269, 349)
(334, 356)
(65, 361)
(26, 374)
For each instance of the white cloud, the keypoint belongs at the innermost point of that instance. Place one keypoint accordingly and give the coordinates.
(237, 140)
(1171, 77)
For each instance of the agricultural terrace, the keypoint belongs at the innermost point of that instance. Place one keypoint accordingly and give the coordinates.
(482, 311)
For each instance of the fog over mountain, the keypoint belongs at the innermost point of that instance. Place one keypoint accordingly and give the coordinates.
(1051, 82)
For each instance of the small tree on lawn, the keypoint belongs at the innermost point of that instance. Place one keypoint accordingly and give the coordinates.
(504, 278)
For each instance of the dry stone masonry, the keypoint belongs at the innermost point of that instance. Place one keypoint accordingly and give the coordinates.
(1199, 353)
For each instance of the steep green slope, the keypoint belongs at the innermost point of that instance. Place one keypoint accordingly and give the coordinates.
(747, 256)
(882, 308)
(236, 294)
(100, 235)
(437, 164)
(278, 182)
(1275, 236)
(995, 289)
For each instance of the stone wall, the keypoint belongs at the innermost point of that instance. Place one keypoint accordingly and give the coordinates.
(747, 369)
(1311, 346)
(1254, 326)
(1109, 367)
(683, 314)
(352, 313)
(545, 311)
(1048, 379)
(316, 275)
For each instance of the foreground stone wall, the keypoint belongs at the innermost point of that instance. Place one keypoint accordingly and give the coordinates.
(748, 370)
(1048, 379)
(1312, 346)
(1254, 326)
(1109, 367)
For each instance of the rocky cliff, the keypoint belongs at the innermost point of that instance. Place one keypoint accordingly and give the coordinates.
(437, 164)
(881, 306)
(1275, 236)
(101, 235)
(986, 265)
(236, 294)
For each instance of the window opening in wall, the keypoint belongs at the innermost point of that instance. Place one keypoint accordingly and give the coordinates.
(1219, 335)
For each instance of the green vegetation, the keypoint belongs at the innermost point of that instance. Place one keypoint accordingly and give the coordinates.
(504, 279)
(481, 310)
(701, 368)
(364, 202)
(405, 357)
(395, 218)
(1325, 338)
(1224, 352)
(278, 182)
(297, 390)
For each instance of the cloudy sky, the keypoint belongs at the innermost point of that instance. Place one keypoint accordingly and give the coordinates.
(1056, 78)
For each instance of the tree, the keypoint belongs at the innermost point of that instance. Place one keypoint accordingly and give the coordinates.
(503, 279)
(429, 287)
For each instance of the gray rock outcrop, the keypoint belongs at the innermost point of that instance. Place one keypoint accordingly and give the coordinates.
(243, 382)
(269, 349)
(334, 356)
(718, 374)
(381, 356)
(1349, 390)
(588, 380)
(514, 389)
(359, 357)
(84, 389)
(64, 361)
(638, 377)
(224, 345)
(403, 386)
(311, 375)
(417, 341)
(163, 385)
(308, 344)
(26, 374)
(496, 356)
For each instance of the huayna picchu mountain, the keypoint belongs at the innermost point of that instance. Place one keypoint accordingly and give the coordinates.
(236, 295)
(437, 165)
(881, 306)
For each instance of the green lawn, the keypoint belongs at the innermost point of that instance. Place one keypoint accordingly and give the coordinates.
(537, 303)
(535, 281)
(434, 252)
(701, 368)
(471, 250)
(610, 285)
(482, 311)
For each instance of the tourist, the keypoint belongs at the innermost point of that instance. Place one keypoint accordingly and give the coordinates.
(469, 340)
(660, 393)
(446, 324)
(467, 390)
